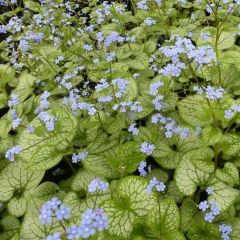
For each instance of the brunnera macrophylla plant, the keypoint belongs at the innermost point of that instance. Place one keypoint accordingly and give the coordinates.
(119, 119)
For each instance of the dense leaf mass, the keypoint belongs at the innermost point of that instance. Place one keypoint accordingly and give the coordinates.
(119, 119)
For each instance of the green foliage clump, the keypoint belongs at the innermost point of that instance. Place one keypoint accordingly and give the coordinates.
(119, 119)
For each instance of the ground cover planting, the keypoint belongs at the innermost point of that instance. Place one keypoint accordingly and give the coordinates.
(119, 120)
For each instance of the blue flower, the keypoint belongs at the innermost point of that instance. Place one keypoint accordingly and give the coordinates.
(48, 120)
(63, 213)
(86, 230)
(87, 217)
(214, 93)
(209, 217)
(154, 87)
(14, 100)
(203, 206)
(228, 114)
(105, 99)
(149, 21)
(215, 209)
(10, 154)
(55, 236)
(3, 29)
(209, 190)
(122, 86)
(100, 222)
(59, 59)
(93, 220)
(54, 203)
(143, 5)
(158, 102)
(103, 84)
(225, 231)
(53, 208)
(73, 232)
(160, 186)
(132, 128)
(23, 45)
(97, 185)
(141, 169)
(45, 216)
(87, 47)
(111, 56)
(79, 156)
(147, 148)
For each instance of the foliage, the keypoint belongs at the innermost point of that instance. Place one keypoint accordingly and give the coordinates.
(119, 119)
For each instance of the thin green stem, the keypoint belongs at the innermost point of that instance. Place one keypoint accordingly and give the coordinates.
(95, 200)
(213, 115)
(121, 25)
(61, 223)
(69, 164)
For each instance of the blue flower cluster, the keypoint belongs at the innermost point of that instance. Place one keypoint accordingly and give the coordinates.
(159, 186)
(211, 93)
(130, 105)
(16, 121)
(154, 87)
(73, 100)
(183, 46)
(79, 156)
(143, 4)
(14, 100)
(170, 126)
(44, 103)
(133, 129)
(229, 113)
(55, 236)
(214, 210)
(96, 185)
(149, 21)
(141, 168)
(225, 231)
(147, 148)
(48, 120)
(10, 154)
(110, 56)
(54, 208)
(92, 220)
(118, 89)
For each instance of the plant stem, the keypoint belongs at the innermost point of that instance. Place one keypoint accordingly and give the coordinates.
(69, 164)
(213, 115)
(61, 223)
